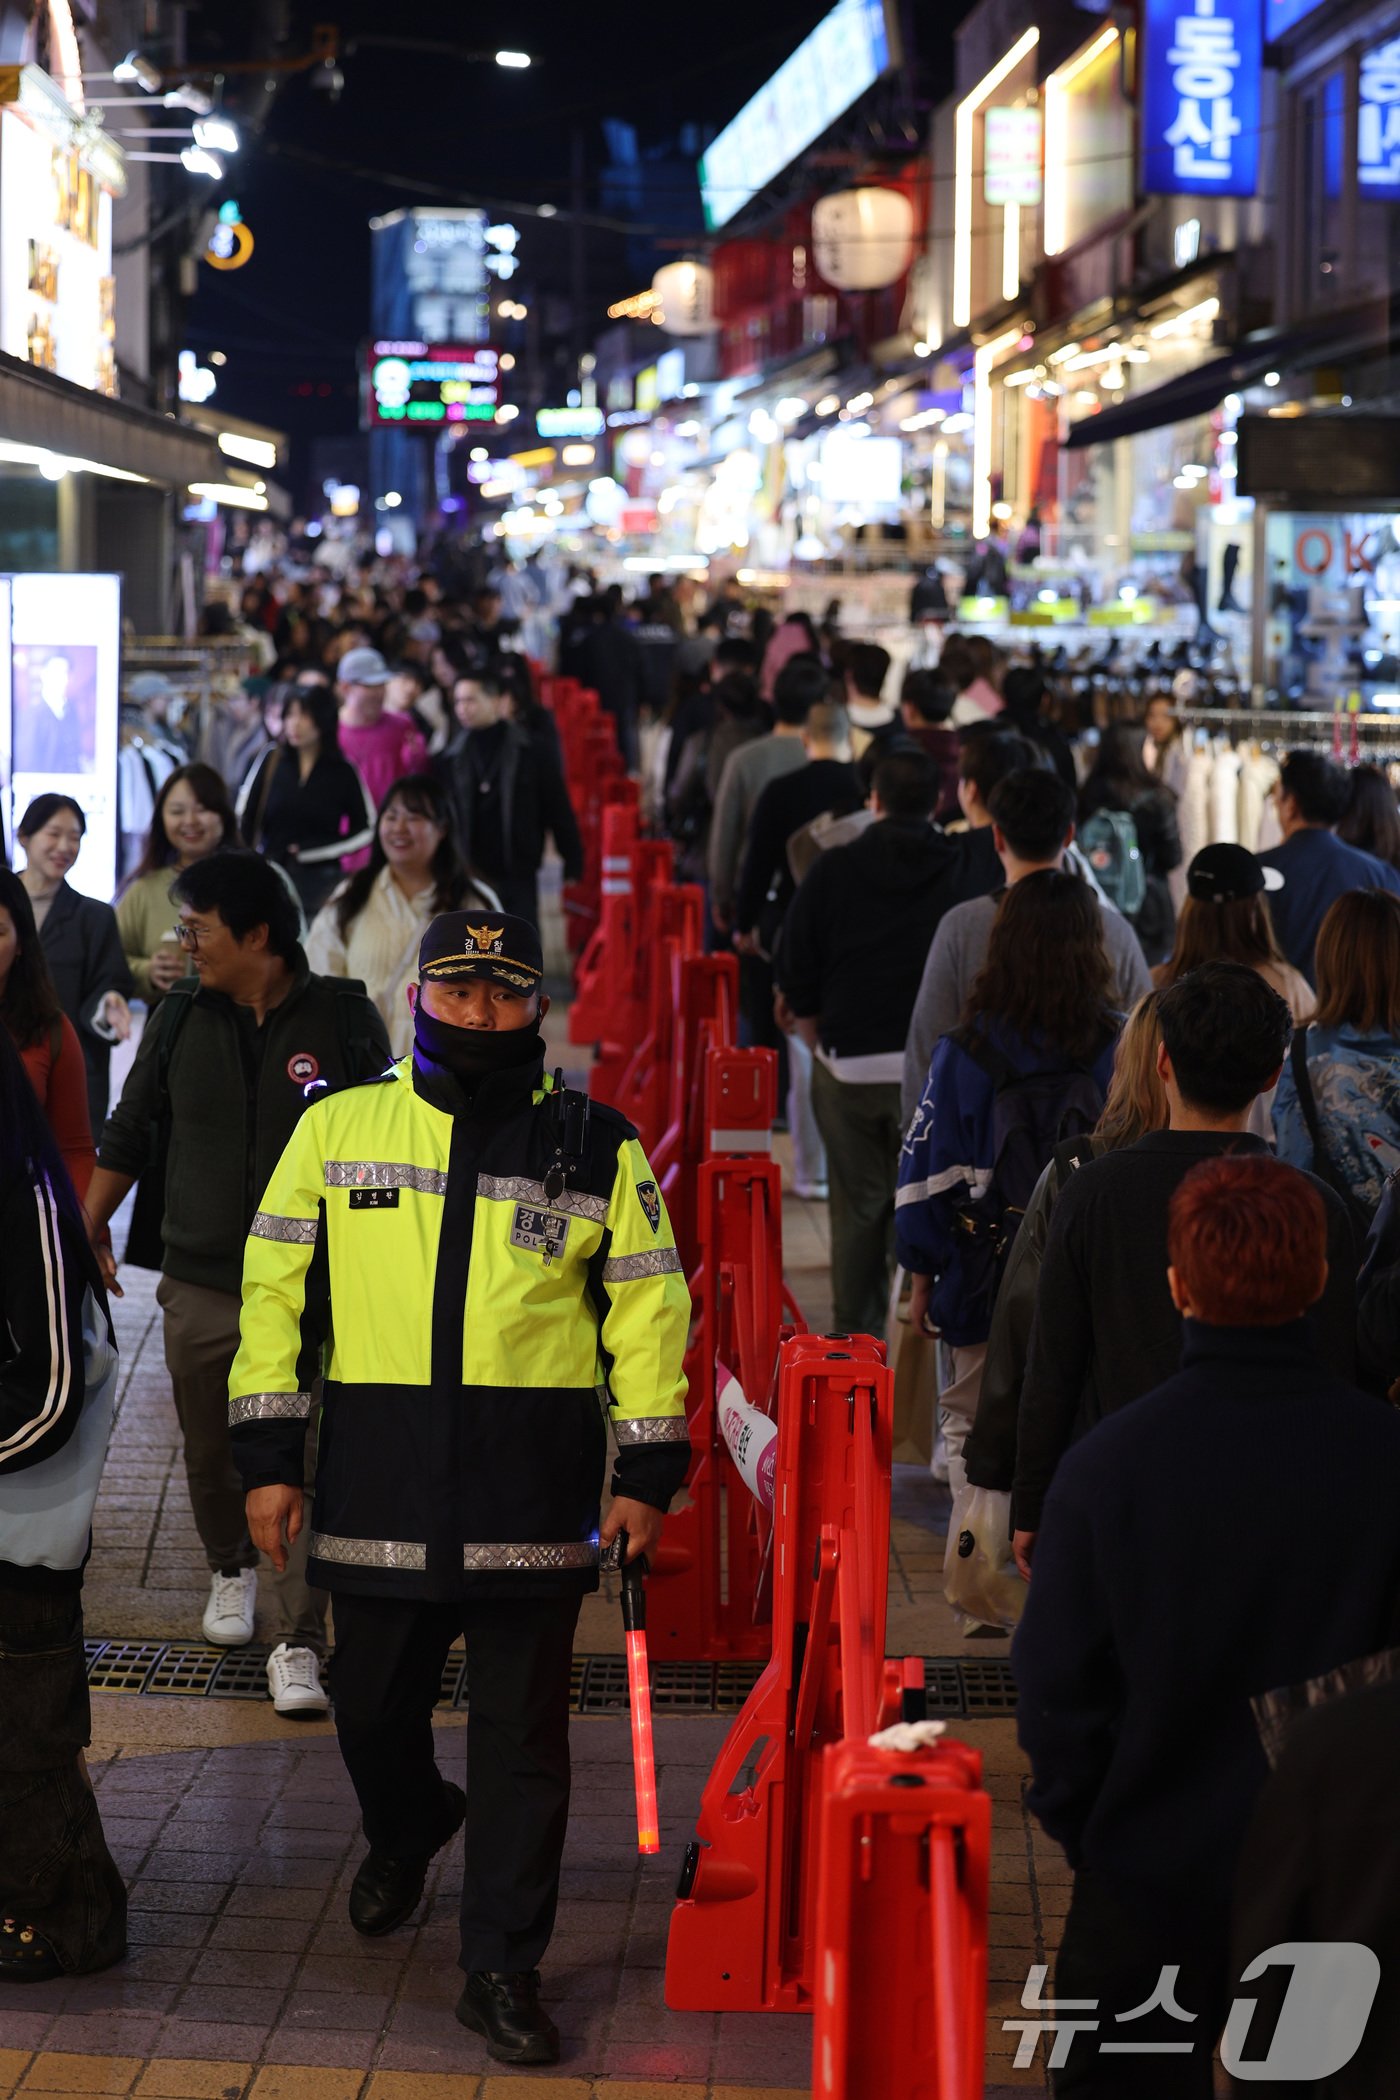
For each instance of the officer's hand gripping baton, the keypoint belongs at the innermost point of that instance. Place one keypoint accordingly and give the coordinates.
(634, 1619)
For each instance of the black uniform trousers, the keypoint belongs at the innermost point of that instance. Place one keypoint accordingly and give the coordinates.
(385, 1674)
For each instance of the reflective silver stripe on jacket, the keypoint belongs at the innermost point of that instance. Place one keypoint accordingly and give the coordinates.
(651, 1429)
(269, 1407)
(301, 1232)
(514, 1188)
(369, 1553)
(384, 1174)
(626, 1268)
(526, 1559)
(406, 1555)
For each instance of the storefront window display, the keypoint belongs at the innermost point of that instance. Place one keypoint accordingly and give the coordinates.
(1334, 601)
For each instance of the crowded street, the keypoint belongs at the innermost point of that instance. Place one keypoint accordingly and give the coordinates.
(700, 1084)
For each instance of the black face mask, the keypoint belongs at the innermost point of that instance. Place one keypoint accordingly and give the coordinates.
(470, 1054)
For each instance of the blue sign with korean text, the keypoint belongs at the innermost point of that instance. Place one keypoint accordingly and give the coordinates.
(1282, 15)
(1201, 97)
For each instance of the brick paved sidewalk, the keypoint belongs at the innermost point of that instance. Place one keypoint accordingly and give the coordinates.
(244, 1968)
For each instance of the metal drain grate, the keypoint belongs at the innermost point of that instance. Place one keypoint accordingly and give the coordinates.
(958, 1689)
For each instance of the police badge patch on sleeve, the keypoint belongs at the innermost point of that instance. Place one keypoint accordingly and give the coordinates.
(649, 1198)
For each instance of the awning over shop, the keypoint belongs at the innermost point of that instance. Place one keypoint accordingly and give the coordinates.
(38, 408)
(1331, 339)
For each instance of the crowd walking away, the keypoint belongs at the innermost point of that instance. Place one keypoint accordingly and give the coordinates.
(1086, 1040)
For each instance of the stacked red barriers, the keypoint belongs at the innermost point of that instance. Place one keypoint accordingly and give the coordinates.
(596, 777)
(743, 1930)
(709, 1585)
(828, 1874)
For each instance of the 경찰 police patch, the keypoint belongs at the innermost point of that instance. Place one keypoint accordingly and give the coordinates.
(650, 1200)
(539, 1231)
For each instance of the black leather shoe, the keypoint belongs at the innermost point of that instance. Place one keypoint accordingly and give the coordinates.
(506, 2009)
(387, 1890)
(25, 1955)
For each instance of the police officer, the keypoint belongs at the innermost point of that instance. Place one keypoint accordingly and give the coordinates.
(495, 1251)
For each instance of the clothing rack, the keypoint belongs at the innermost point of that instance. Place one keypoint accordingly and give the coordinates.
(1349, 732)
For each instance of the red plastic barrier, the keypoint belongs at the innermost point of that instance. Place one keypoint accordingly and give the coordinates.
(676, 930)
(601, 985)
(708, 1589)
(707, 1007)
(743, 1931)
(903, 1861)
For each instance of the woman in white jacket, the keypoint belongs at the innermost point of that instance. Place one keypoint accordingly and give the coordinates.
(371, 927)
(62, 1901)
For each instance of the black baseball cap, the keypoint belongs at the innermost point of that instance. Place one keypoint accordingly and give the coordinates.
(492, 944)
(1221, 873)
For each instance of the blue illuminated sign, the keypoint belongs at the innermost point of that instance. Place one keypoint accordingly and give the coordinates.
(1201, 99)
(1282, 15)
(1377, 127)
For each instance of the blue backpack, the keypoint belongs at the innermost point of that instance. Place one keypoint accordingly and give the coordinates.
(1032, 1112)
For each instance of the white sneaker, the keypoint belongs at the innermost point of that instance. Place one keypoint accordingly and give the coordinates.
(294, 1681)
(229, 1614)
(811, 1191)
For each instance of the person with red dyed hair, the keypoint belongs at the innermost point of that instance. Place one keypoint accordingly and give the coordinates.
(1172, 1586)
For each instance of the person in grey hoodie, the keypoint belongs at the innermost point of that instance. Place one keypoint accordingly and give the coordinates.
(62, 1901)
(1033, 828)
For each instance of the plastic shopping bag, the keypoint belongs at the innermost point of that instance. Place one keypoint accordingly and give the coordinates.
(980, 1577)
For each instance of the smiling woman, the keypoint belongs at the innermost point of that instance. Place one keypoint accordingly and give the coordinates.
(193, 817)
(370, 929)
(80, 939)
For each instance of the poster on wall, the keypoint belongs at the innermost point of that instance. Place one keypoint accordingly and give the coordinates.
(61, 708)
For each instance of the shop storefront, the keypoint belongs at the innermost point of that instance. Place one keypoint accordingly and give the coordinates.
(86, 481)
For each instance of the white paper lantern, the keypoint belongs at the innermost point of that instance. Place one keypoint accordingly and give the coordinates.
(863, 240)
(687, 294)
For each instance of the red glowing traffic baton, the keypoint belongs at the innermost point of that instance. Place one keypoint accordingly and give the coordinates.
(634, 1619)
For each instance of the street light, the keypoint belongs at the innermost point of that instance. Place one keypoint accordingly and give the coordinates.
(215, 135)
(518, 59)
(199, 162)
(134, 70)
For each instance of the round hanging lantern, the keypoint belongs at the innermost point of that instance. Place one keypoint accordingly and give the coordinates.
(863, 240)
(687, 294)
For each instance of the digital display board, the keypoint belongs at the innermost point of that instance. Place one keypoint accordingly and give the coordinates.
(432, 383)
(845, 54)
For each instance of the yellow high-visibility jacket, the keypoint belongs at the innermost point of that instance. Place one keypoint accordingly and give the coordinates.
(468, 1319)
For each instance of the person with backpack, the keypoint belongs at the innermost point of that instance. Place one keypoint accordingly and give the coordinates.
(225, 1069)
(1032, 814)
(1106, 1330)
(1029, 1066)
(1337, 1109)
(1128, 833)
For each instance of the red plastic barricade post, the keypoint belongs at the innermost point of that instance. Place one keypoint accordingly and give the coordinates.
(676, 930)
(708, 1599)
(903, 1856)
(601, 985)
(707, 1006)
(743, 1930)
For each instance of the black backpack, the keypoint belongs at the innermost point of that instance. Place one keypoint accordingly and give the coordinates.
(1032, 1113)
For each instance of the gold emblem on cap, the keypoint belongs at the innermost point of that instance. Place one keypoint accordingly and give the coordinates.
(485, 937)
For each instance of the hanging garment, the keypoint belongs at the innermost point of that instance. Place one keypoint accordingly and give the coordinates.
(1258, 774)
(1224, 795)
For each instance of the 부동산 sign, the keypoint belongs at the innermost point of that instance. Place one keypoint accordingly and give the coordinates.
(1201, 97)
